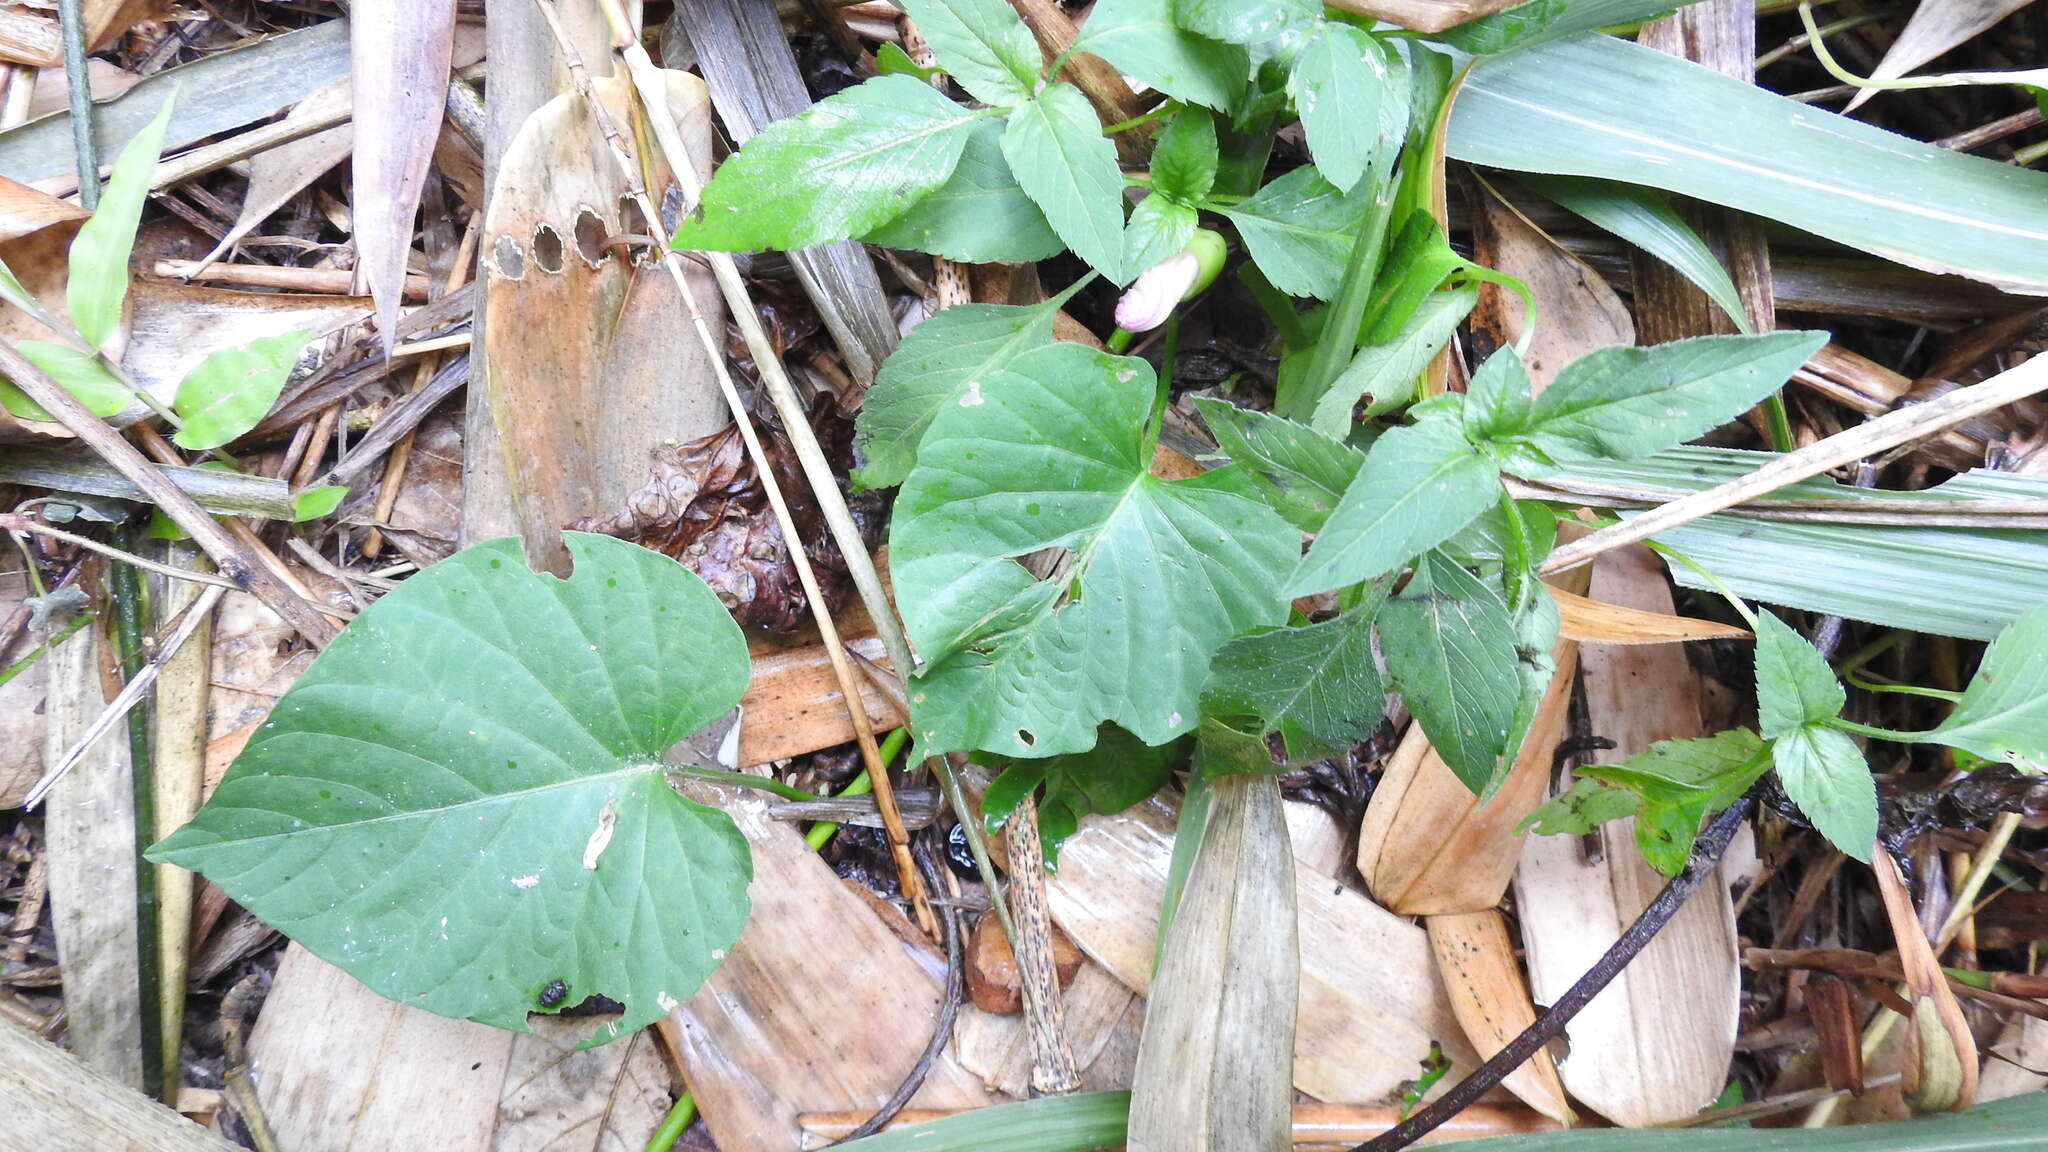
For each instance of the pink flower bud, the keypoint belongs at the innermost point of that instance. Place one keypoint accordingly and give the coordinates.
(1150, 299)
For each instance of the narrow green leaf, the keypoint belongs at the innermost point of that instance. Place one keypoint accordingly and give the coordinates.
(1159, 227)
(1316, 685)
(233, 389)
(79, 373)
(1051, 453)
(462, 801)
(1794, 685)
(1298, 230)
(13, 292)
(943, 361)
(979, 215)
(1419, 486)
(1143, 40)
(2004, 712)
(313, 503)
(1825, 774)
(1580, 809)
(1597, 106)
(1068, 167)
(98, 266)
(1500, 399)
(853, 162)
(1184, 162)
(1302, 473)
(1621, 402)
(983, 44)
(1246, 21)
(1338, 83)
(1382, 376)
(1450, 649)
(1644, 218)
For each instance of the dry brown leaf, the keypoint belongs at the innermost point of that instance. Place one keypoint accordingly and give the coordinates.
(1593, 622)
(400, 51)
(24, 210)
(21, 699)
(1492, 1000)
(1948, 1052)
(278, 174)
(1214, 1057)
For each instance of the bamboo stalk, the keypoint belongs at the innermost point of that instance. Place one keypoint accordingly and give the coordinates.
(179, 760)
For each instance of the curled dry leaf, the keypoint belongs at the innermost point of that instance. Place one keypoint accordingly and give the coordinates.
(24, 210)
(1596, 622)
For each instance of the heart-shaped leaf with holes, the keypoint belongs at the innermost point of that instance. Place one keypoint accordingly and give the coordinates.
(462, 802)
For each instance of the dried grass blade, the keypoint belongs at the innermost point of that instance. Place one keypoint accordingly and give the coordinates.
(401, 53)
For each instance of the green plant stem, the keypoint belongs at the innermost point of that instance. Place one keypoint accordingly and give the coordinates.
(37, 653)
(1901, 689)
(131, 607)
(1166, 109)
(2025, 157)
(721, 776)
(674, 1124)
(1876, 733)
(78, 87)
(1777, 423)
(1156, 421)
(821, 833)
(1119, 341)
(1339, 336)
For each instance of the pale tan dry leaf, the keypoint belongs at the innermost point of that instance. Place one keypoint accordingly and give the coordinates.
(1492, 1000)
(1936, 27)
(1948, 1052)
(280, 173)
(1593, 622)
(24, 210)
(555, 1094)
(400, 56)
(1214, 1058)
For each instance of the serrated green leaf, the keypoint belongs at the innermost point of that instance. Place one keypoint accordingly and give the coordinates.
(1184, 162)
(1142, 39)
(462, 800)
(1500, 398)
(2003, 714)
(1450, 649)
(892, 60)
(1051, 453)
(853, 162)
(1620, 402)
(1644, 218)
(1062, 160)
(1506, 29)
(1580, 809)
(1159, 227)
(1794, 685)
(313, 503)
(1419, 486)
(1825, 774)
(1681, 783)
(230, 391)
(1299, 228)
(1489, 541)
(979, 215)
(1337, 84)
(941, 362)
(1302, 473)
(983, 44)
(1316, 685)
(1246, 21)
(1383, 376)
(79, 373)
(98, 265)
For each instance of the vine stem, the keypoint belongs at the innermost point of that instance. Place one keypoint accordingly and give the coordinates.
(1706, 854)
(788, 408)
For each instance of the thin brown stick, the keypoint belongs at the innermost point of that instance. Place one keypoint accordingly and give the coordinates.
(14, 523)
(321, 281)
(234, 563)
(1053, 1072)
(1887, 431)
(792, 414)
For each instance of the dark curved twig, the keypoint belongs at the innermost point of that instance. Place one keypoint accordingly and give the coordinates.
(949, 1003)
(1705, 855)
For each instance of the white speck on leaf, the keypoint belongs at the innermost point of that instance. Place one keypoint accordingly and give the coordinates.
(972, 396)
(601, 837)
(520, 882)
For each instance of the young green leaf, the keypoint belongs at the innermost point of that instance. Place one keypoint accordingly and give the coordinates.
(231, 390)
(2004, 712)
(14, 292)
(1503, 30)
(462, 801)
(1246, 21)
(1121, 770)
(1825, 774)
(1644, 218)
(1298, 230)
(98, 266)
(983, 44)
(1450, 649)
(1620, 402)
(1580, 809)
(979, 215)
(1068, 167)
(1499, 400)
(1419, 486)
(1794, 685)
(1052, 453)
(1680, 784)
(943, 361)
(1159, 227)
(853, 162)
(1338, 83)
(313, 503)
(1383, 375)
(1301, 472)
(1316, 685)
(1143, 40)
(80, 374)
(1184, 163)
(892, 60)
